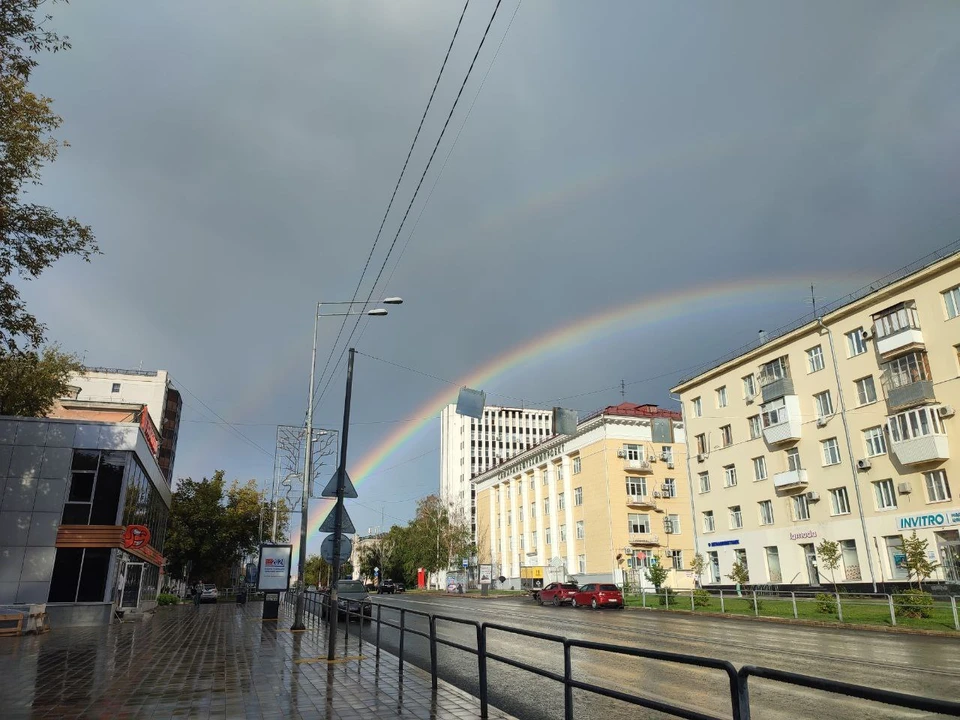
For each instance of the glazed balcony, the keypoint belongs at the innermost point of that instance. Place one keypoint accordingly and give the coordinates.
(644, 539)
(791, 480)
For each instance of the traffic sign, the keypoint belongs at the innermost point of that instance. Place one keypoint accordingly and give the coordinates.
(326, 548)
(466, 563)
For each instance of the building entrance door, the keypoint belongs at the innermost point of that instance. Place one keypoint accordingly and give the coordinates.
(949, 545)
(813, 574)
(130, 595)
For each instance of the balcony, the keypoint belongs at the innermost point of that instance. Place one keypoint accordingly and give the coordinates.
(641, 501)
(910, 394)
(897, 329)
(781, 420)
(904, 339)
(774, 388)
(644, 539)
(637, 465)
(924, 449)
(790, 480)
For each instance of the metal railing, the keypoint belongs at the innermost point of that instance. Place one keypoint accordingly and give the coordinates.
(737, 681)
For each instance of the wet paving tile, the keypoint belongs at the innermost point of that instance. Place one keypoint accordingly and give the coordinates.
(216, 662)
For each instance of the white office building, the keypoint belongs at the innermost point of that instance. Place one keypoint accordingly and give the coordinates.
(470, 446)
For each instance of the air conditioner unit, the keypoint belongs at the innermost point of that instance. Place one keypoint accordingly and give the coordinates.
(653, 458)
(621, 453)
(664, 489)
(821, 422)
(866, 335)
(701, 457)
(749, 398)
(669, 466)
(904, 488)
(813, 496)
(668, 527)
(945, 411)
(864, 464)
(664, 456)
(656, 493)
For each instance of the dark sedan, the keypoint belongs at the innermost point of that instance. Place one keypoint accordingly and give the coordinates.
(352, 598)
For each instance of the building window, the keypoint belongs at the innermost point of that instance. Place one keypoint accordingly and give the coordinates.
(576, 465)
(839, 502)
(774, 413)
(709, 525)
(533, 511)
(749, 387)
(729, 475)
(546, 477)
(775, 370)
(722, 397)
(915, 423)
(633, 452)
(741, 555)
(814, 359)
(760, 468)
(906, 370)
(638, 523)
(509, 517)
(875, 441)
(533, 540)
(704, 482)
(578, 496)
(938, 488)
(669, 488)
(94, 496)
(856, 345)
(793, 460)
(726, 435)
(951, 298)
(582, 563)
(676, 559)
(866, 390)
(714, 563)
(115, 388)
(672, 524)
(563, 533)
(755, 427)
(697, 407)
(885, 494)
(579, 529)
(533, 486)
(823, 404)
(546, 535)
(736, 517)
(546, 507)
(831, 451)
(851, 563)
(898, 318)
(636, 487)
(766, 512)
(561, 502)
(701, 444)
(666, 453)
(801, 508)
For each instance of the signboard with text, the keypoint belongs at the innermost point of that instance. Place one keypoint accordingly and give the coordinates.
(273, 571)
(945, 518)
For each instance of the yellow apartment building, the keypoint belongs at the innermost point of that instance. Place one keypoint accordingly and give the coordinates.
(598, 505)
(839, 429)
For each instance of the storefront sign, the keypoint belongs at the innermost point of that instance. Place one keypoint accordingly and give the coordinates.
(136, 536)
(807, 534)
(929, 520)
(721, 543)
(149, 432)
(273, 572)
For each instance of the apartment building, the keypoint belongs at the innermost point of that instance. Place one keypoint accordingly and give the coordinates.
(839, 429)
(599, 505)
(470, 446)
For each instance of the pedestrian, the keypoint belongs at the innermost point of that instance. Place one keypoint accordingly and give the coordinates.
(198, 588)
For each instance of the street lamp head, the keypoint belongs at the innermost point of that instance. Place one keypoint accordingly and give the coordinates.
(393, 301)
(379, 312)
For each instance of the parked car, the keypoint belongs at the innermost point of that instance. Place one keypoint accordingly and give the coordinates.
(352, 597)
(386, 586)
(598, 595)
(209, 593)
(399, 587)
(451, 587)
(557, 594)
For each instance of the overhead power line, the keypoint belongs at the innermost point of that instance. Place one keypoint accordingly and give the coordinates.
(416, 192)
(393, 196)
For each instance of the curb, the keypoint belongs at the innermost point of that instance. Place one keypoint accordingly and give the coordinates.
(466, 596)
(808, 623)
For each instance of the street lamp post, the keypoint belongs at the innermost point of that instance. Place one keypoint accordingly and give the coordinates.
(298, 623)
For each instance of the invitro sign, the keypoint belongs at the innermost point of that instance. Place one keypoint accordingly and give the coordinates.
(945, 518)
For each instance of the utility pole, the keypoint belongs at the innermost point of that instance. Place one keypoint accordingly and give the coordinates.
(334, 610)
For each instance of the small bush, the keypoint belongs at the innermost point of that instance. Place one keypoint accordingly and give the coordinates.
(701, 598)
(664, 593)
(167, 599)
(826, 604)
(913, 604)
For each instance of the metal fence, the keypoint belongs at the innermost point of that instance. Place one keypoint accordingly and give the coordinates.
(737, 681)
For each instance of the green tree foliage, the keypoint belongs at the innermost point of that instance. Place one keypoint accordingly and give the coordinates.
(739, 573)
(31, 382)
(829, 552)
(32, 236)
(213, 527)
(657, 573)
(698, 565)
(919, 565)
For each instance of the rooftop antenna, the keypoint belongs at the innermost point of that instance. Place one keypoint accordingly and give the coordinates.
(623, 389)
(813, 300)
(762, 336)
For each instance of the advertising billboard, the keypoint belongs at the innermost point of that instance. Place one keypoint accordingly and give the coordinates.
(273, 572)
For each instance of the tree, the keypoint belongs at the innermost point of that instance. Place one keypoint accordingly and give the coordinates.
(739, 573)
(698, 565)
(32, 382)
(317, 571)
(32, 236)
(657, 573)
(919, 565)
(829, 552)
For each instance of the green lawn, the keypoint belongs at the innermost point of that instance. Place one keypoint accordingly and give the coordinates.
(856, 611)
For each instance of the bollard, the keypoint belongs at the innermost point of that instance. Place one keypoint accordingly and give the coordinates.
(839, 608)
(482, 668)
(793, 599)
(379, 606)
(756, 608)
(403, 618)
(433, 650)
(721, 603)
(953, 606)
(567, 687)
(893, 615)
(693, 605)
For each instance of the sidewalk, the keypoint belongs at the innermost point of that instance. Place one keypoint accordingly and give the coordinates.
(215, 661)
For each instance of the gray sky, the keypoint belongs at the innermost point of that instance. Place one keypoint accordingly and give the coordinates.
(235, 160)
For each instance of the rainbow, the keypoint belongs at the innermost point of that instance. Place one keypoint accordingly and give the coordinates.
(587, 329)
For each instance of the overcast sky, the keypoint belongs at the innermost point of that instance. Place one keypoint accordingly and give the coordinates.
(235, 160)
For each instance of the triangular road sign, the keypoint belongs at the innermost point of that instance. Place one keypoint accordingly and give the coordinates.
(349, 491)
(329, 525)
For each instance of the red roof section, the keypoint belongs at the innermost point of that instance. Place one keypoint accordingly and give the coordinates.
(634, 410)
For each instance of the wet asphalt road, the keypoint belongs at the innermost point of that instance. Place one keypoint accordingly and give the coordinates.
(928, 666)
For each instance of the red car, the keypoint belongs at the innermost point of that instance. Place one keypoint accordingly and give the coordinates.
(557, 593)
(598, 595)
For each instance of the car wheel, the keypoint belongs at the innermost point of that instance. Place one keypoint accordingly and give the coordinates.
(593, 604)
(621, 607)
(556, 601)
(573, 602)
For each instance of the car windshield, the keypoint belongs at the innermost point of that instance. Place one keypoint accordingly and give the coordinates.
(609, 588)
(351, 587)
(209, 587)
(570, 587)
